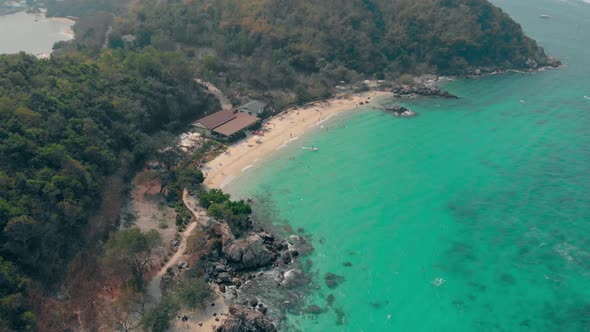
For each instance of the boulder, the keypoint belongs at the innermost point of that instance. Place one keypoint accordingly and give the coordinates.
(249, 253)
(242, 319)
(224, 277)
(401, 111)
(333, 280)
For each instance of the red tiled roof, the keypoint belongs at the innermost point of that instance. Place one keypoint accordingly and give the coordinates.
(241, 122)
(216, 119)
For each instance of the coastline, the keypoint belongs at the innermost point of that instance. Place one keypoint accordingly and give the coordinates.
(283, 128)
(46, 30)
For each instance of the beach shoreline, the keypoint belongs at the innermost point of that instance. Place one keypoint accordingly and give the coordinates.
(281, 129)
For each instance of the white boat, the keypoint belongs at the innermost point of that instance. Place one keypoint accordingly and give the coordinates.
(544, 16)
(312, 148)
(587, 97)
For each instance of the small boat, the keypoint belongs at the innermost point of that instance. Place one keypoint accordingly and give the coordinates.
(587, 97)
(544, 16)
(312, 148)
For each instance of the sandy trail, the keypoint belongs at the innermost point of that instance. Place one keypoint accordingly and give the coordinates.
(199, 320)
(223, 100)
(153, 288)
(284, 128)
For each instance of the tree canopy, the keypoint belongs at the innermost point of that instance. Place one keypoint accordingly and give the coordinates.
(308, 46)
(66, 125)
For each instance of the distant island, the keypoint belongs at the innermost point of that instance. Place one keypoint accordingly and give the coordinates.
(102, 113)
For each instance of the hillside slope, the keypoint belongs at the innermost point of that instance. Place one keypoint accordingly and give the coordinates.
(269, 43)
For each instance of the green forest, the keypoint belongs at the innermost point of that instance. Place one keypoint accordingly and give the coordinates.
(309, 46)
(66, 124)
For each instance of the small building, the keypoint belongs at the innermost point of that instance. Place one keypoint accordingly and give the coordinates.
(212, 121)
(254, 108)
(225, 124)
(242, 122)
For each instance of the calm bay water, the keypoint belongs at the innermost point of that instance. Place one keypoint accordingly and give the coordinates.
(472, 217)
(31, 33)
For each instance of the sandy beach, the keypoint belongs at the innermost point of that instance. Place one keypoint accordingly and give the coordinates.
(283, 129)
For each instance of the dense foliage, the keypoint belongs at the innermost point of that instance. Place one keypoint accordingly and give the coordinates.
(14, 315)
(235, 213)
(130, 252)
(308, 46)
(68, 123)
(81, 7)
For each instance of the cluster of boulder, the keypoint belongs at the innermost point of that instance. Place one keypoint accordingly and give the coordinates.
(248, 253)
(415, 90)
(233, 262)
(241, 319)
(530, 64)
(401, 111)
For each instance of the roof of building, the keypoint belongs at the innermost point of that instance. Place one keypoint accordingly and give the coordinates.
(216, 119)
(254, 106)
(241, 122)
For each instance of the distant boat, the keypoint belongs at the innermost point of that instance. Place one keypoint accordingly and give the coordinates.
(313, 148)
(587, 97)
(544, 16)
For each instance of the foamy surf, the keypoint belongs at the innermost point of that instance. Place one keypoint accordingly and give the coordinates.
(247, 168)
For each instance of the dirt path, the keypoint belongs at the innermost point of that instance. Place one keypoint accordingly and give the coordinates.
(200, 320)
(153, 288)
(223, 100)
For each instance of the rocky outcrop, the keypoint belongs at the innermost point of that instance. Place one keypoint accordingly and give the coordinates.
(242, 319)
(249, 253)
(415, 90)
(401, 111)
(531, 64)
(235, 259)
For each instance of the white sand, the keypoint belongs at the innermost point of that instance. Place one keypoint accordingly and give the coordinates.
(284, 129)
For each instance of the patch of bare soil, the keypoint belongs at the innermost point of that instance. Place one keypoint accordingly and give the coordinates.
(147, 210)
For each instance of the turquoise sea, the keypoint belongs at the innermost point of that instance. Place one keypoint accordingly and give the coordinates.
(474, 216)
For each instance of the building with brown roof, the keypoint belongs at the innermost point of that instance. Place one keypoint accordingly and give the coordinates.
(241, 122)
(225, 123)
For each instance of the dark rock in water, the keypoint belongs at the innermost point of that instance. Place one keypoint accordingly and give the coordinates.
(414, 90)
(330, 300)
(314, 310)
(401, 111)
(378, 305)
(300, 230)
(253, 303)
(508, 279)
(243, 319)
(333, 280)
(339, 316)
(347, 264)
